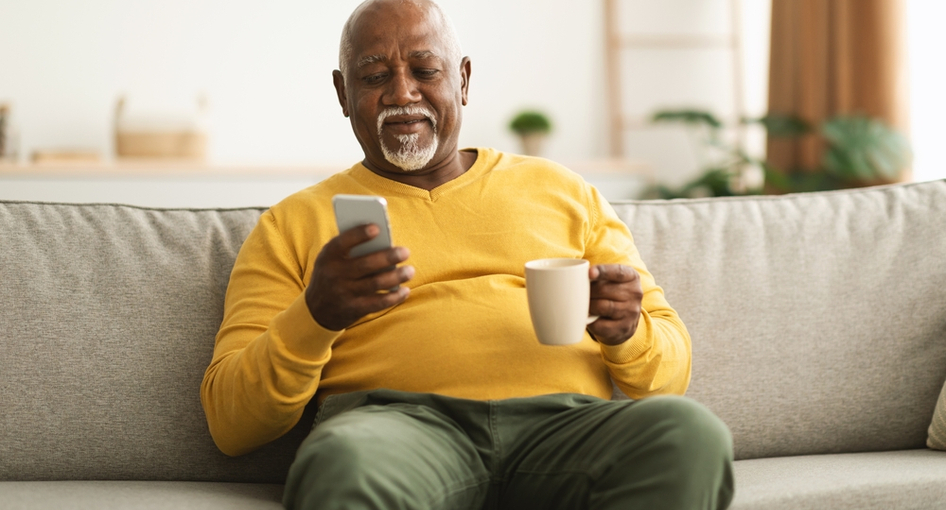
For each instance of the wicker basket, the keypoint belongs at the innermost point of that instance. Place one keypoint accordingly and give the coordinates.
(177, 145)
(182, 140)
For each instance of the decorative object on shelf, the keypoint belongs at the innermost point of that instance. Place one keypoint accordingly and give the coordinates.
(858, 151)
(8, 136)
(4, 112)
(532, 127)
(66, 156)
(161, 136)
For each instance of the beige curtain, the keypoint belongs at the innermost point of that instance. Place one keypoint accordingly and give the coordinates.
(832, 57)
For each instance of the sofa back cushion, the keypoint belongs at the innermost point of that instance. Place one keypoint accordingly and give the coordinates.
(818, 324)
(818, 320)
(107, 324)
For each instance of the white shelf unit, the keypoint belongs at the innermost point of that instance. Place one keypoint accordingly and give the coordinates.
(671, 54)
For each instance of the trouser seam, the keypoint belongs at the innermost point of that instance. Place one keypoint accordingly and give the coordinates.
(451, 491)
(496, 461)
(576, 471)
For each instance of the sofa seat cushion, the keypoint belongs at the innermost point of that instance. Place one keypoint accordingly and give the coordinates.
(106, 495)
(909, 479)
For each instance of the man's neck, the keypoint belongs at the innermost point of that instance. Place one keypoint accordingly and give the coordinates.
(432, 177)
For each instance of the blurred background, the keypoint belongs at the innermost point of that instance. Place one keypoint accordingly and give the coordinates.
(185, 103)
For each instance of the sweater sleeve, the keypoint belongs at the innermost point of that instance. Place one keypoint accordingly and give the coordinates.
(269, 351)
(657, 358)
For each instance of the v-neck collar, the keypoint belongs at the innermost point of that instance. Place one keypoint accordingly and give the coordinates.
(361, 173)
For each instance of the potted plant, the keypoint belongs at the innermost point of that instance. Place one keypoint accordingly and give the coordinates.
(859, 151)
(532, 127)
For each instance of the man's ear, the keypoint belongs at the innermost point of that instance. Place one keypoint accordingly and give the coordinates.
(339, 82)
(465, 70)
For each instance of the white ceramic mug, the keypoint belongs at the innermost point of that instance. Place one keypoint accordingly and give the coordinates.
(559, 293)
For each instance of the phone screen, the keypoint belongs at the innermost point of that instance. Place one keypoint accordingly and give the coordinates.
(355, 210)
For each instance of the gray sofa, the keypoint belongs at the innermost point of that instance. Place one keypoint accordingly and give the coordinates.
(818, 325)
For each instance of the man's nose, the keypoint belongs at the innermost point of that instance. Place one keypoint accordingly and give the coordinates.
(402, 90)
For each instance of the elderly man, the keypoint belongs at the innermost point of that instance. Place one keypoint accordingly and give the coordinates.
(437, 394)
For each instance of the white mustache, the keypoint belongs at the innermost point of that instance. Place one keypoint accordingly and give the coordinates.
(405, 110)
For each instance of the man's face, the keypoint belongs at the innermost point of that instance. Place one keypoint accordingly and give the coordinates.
(403, 91)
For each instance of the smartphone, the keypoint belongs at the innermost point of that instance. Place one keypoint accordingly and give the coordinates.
(355, 210)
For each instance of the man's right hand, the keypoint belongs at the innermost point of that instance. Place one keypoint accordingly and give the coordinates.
(343, 290)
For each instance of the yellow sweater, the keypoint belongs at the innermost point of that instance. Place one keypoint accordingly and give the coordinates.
(464, 331)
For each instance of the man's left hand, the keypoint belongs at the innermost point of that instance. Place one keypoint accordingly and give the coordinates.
(616, 299)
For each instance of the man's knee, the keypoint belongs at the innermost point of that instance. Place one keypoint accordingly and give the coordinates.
(684, 427)
(367, 459)
(697, 425)
(331, 461)
(694, 444)
(337, 446)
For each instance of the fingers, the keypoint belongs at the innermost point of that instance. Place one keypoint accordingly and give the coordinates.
(339, 248)
(613, 273)
(342, 244)
(613, 332)
(342, 289)
(616, 297)
(386, 280)
(614, 282)
(336, 301)
(612, 309)
(376, 262)
(360, 305)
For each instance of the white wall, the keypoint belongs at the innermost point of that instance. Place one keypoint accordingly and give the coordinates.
(926, 41)
(266, 70)
(700, 76)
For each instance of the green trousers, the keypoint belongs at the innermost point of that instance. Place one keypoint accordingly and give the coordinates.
(385, 449)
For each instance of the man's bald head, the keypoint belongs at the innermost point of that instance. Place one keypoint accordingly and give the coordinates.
(444, 25)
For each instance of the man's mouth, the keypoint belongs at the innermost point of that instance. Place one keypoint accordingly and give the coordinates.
(405, 125)
(398, 120)
(405, 120)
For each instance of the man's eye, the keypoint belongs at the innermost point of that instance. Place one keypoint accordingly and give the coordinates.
(426, 73)
(372, 79)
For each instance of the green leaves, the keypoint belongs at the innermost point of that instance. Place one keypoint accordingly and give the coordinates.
(530, 121)
(782, 125)
(692, 117)
(859, 150)
(864, 149)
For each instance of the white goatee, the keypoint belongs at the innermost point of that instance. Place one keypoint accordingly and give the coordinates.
(411, 156)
